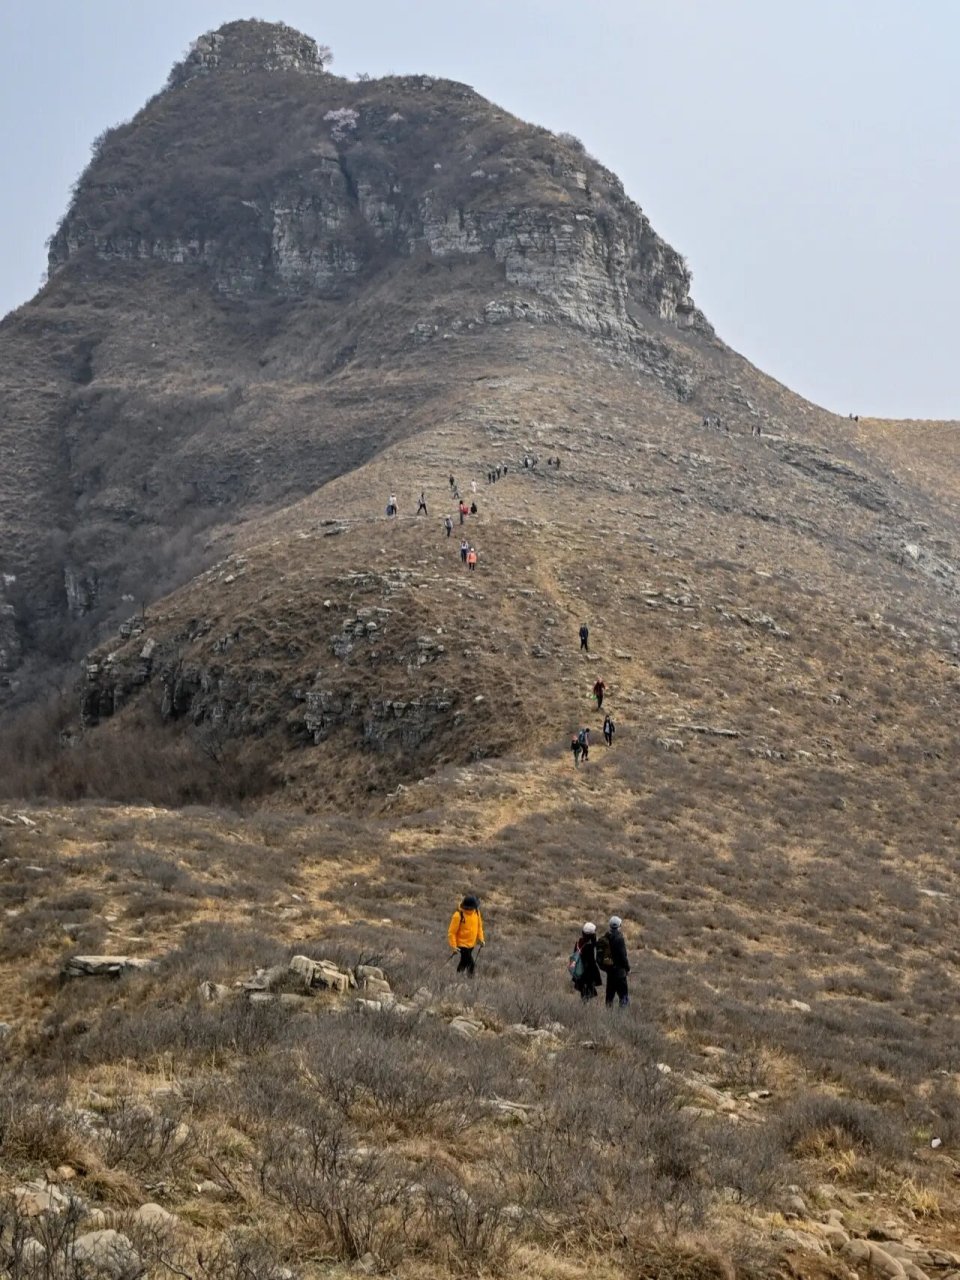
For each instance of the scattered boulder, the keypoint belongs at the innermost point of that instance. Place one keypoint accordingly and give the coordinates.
(882, 1264)
(213, 992)
(154, 1215)
(107, 1254)
(466, 1028)
(35, 1198)
(103, 966)
(515, 1112)
(322, 974)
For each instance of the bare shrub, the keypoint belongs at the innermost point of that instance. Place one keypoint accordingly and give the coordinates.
(816, 1122)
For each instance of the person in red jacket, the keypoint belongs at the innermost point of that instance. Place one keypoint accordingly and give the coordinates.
(466, 932)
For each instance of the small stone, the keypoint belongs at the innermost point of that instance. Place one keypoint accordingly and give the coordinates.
(801, 1006)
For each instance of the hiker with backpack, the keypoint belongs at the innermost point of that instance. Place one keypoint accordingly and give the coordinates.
(613, 960)
(609, 729)
(583, 738)
(575, 748)
(585, 637)
(466, 932)
(583, 967)
(599, 689)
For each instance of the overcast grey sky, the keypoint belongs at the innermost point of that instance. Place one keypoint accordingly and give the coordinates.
(803, 156)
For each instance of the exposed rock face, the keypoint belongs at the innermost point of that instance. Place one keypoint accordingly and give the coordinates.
(379, 173)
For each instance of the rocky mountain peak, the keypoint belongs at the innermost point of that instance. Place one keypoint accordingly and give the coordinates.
(251, 45)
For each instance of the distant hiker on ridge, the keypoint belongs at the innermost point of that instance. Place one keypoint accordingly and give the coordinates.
(585, 637)
(599, 689)
(392, 505)
(466, 932)
(422, 504)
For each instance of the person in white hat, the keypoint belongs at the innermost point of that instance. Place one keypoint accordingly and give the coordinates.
(584, 969)
(613, 960)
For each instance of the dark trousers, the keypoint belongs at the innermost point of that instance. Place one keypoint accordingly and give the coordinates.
(467, 963)
(583, 643)
(599, 701)
(609, 738)
(617, 986)
(587, 989)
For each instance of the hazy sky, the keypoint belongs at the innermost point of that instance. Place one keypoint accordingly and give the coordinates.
(803, 156)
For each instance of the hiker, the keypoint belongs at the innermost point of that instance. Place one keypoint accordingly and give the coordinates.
(612, 959)
(463, 511)
(575, 748)
(583, 737)
(422, 504)
(466, 932)
(464, 548)
(599, 689)
(471, 559)
(585, 637)
(392, 505)
(453, 483)
(473, 508)
(583, 966)
(609, 729)
(448, 525)
(498, 473)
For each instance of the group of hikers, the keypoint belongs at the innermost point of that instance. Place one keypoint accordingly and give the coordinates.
(580, 742)
(591, 958)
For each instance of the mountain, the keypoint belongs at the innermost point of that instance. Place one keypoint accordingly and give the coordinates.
(300, 729)
(276, 298)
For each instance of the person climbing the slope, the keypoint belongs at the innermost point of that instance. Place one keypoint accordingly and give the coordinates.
(583, 966)
(599, 689)
(392, 505)
(464, 509)
(466, 932)
(471, 559)
(613, 960)
(473, 508)
(609, 729)
(583, 737)
(575, 748)
(584, 637)
(448, 525)
(464, 548)
(422, 505)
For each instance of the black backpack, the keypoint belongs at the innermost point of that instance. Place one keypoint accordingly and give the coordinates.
(604, 952)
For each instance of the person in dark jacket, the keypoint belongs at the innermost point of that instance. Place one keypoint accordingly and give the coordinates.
(613, 959)
(585, 637)
(609, 729)
(590, 977)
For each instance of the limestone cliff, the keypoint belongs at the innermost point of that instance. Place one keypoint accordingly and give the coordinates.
(279, 177)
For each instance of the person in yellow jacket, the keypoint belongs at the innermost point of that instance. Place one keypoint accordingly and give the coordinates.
(466, 932)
